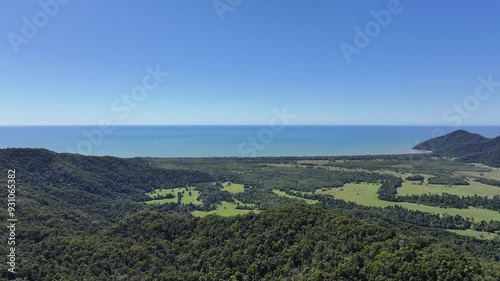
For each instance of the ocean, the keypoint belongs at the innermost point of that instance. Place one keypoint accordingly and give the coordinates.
(225, 141)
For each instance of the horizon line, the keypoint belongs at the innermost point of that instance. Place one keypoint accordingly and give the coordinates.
(207, 125)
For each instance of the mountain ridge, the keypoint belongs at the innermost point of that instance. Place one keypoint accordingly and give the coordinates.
(465, 146)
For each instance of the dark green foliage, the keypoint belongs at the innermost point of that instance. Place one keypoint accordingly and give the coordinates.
(166, 196)
(395, 213)
(415, 178)
(468, 147)
(82, 219)
(263, 199)
(305, 179)
(389, 188)
(491, 226)
(179, 197)
(488, 181)
(243, 207)
(69, 193)
(413, 163)
(457, 140)
(295, 243)
(211, 194)
(106, 176)
(448, 180)
(454, 201)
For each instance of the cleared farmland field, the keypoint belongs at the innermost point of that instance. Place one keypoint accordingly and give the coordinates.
(189, 196)
(226, 209)
(366, 194)
(475, 188)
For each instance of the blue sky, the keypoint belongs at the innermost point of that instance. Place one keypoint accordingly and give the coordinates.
(263, 55)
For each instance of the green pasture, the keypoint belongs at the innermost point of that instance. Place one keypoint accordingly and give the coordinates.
(282, 193)
(226, 209)
(475, 188)
(233, 187)
(474, 233)
(186, 197)
(366, 194)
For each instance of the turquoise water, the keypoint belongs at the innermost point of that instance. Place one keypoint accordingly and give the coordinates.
(207, 141)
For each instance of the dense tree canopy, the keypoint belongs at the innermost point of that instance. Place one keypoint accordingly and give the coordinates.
(468, 147)
(84, 218)
(294, 243)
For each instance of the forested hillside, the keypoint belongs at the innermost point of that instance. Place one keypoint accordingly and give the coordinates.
(66, 194)
(85, 218)
(466, 146)
(294, 243)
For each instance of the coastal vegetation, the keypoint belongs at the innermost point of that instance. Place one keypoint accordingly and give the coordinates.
(274, 218)
(466, 147)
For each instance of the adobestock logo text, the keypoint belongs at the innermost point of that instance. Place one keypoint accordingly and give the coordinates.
(121, 106)
(32, 25)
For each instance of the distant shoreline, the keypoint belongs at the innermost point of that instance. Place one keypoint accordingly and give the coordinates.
(417, 151)
(220, 141)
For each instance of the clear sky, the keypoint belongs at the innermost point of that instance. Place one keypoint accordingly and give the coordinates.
(234, 62)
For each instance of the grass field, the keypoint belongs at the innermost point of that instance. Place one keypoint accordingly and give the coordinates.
(476, 234)
(233, 187)
(313, 162)
(186, 198)
(333, 168)
(226, 209)
(493, 174)
(282, 193)
(461, 190)
(360, 193)
(366, 194)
